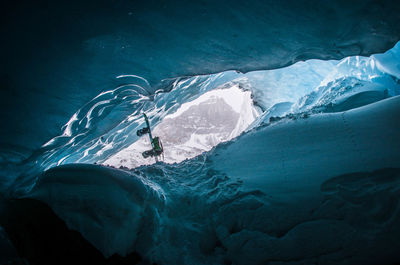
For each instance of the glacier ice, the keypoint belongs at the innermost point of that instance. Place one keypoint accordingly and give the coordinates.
(388, 62)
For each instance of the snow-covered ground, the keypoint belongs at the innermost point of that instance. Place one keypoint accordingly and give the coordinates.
(322, 189)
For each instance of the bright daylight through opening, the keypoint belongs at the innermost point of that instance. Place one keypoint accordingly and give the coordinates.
(197, 126)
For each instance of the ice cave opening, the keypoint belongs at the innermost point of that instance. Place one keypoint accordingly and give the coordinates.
(216, 116)
(104, 130)
(298, 165)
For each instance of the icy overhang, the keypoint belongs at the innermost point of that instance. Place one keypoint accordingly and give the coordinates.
(59, 55)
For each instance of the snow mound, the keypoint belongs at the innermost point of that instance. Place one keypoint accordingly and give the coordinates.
(112, 209)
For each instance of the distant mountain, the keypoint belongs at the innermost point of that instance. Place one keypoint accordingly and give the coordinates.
(199, 128)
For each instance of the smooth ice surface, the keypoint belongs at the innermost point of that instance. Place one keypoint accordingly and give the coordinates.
(389, 62)
(318, 189)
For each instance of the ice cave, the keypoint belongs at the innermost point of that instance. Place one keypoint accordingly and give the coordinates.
(273, 128)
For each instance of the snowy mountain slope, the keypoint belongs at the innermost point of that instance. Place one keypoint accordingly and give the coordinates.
(295, 192)
(197, 126)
